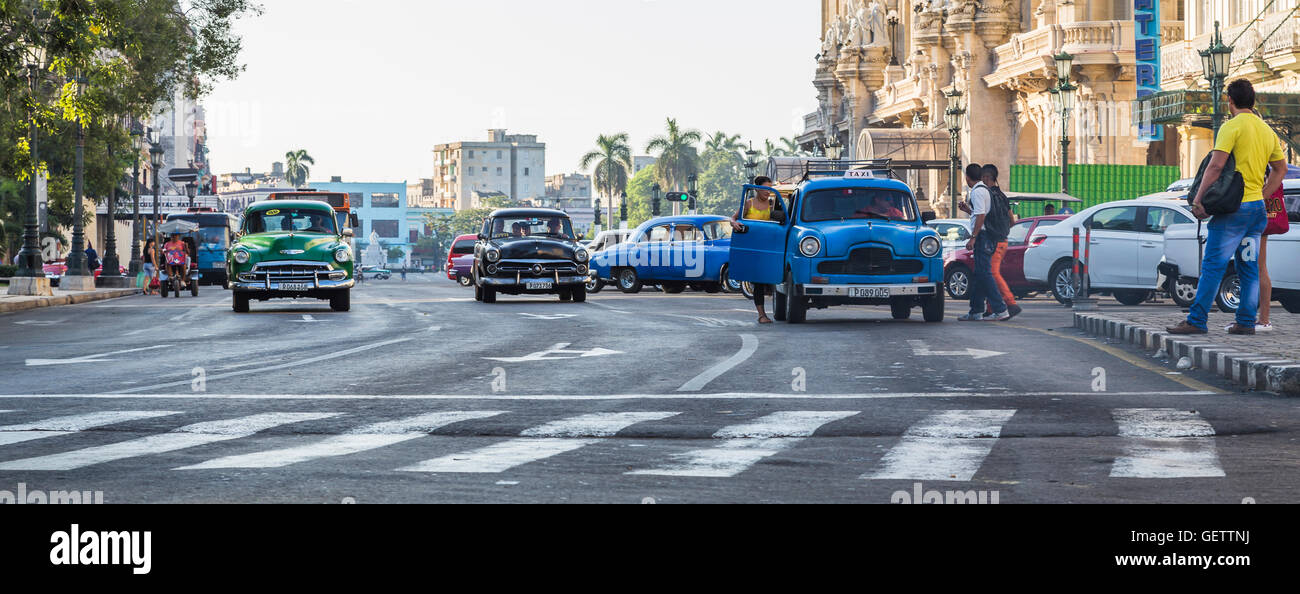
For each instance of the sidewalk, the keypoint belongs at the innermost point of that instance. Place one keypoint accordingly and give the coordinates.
(1266, 361)
(12, 303)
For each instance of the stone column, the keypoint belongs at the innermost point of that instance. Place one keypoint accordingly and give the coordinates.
(1194, 144)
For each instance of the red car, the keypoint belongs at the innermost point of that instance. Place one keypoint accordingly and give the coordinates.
(959, 265)
(463, 244)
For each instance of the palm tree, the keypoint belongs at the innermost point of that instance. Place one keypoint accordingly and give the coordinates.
(296, 170)
(791, 147)
(613, 160)
(677, 156)
(721, 141)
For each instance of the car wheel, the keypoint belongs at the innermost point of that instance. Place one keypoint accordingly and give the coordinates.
(1131, 298)
(900, 308)
(1062, 280)
(478, 293)
(565, 295)
(747, 289)
(341, 301)
(594, 285)
(464, 280)
(580, 295)
(712, 287)
(674, 288)
(932, 308)
(628, 281)
(957, 282)
(239, 302)
(796, 306)
(1182, 290)
(489, 295)
(1229, 297)
(778, 303)
(194, 288)
(697, 287)
(729, 285)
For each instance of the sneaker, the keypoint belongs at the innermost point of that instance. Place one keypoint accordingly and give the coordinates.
(1014, 310)
(998, 317)
(1185, 328)
(1239, 329)
(1258, 327)
(970, 317)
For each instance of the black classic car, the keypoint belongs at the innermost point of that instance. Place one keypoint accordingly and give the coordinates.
(529, 251)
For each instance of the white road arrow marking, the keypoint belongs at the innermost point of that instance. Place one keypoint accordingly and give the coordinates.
(560, 349)
(89, 358)
(920, 349)
(39, 322)
(308, 319)
(547, 316)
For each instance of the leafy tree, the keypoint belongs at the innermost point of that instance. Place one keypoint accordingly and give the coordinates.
(640, 197)
(719, 184)
(677, 157)
(612, 159)
(296, 171)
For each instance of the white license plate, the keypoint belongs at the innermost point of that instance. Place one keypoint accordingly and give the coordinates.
(294, 286)
(538, 285)
(869, 292)
(216, 265)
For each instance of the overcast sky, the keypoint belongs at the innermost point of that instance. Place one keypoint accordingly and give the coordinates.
(368, 87)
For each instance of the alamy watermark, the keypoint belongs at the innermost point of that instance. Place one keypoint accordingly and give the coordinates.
(38, 497)
(920, 495)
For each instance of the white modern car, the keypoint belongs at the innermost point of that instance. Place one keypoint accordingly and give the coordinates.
(1127, 247)
(952, 232)
(1181, 265)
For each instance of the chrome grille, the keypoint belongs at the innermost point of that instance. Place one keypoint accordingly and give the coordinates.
(547, 268)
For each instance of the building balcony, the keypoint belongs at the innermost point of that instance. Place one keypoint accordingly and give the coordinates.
(1025, 63)
(1180, 61)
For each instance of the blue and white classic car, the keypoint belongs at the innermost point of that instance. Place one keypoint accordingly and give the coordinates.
(851, 234)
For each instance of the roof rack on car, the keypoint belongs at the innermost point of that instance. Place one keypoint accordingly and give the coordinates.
(837, 168)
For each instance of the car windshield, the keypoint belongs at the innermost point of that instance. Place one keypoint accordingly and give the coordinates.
(299, 220)
(718, 229)
(464, 246)
(539, 226)
(858, 203)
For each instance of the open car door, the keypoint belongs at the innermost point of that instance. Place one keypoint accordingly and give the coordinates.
(758, 246)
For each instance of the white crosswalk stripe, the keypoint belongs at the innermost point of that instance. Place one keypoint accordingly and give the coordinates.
(180, 438)
(10, 434)
(357, 440)
(746, 444)
(1165, 443)
(948, 445)
(538, 443)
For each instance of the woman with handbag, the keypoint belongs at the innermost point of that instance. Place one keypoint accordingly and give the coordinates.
(1278, 223)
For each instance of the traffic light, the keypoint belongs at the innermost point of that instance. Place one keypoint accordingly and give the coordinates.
(677, 197)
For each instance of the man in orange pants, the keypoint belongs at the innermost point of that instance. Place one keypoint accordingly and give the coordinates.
(991, 180)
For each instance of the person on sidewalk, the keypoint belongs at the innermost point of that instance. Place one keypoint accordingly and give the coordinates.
(1255, 146)
(92, 257)
(1000, 201)
(758, 206)
(982, 246)
(150, 266)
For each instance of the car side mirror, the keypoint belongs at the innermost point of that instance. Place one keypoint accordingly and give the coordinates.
(927, 216)
(353, 220)
(482, 236)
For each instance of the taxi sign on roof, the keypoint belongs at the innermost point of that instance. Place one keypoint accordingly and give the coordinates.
(859, 174)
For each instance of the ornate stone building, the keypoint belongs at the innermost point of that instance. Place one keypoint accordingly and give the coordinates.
(889, 64)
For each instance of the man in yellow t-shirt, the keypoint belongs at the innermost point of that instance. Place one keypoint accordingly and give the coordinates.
(1236, 236)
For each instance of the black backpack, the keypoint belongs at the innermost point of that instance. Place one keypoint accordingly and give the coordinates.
(1224, 196)
(997, 223)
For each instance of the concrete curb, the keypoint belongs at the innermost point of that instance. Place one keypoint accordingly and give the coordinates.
(1251, 370)
(100, 295)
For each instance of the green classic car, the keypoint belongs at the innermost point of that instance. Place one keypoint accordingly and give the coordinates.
(289, 249)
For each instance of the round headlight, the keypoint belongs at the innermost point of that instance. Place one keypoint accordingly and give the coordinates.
(581, 255)
(810, 246)
(241, 256)
(342, 255)
(493, 254)
(930, 246)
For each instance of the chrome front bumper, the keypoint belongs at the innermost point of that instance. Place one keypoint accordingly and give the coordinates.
(917, 289)
(266, 285)
(519, 280)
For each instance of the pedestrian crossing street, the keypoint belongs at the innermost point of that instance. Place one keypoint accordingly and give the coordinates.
(949, 445)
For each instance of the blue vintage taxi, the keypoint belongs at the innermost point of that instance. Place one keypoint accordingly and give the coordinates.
(850, 234)
(673, 252)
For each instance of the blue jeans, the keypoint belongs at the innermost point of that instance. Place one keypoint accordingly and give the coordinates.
(982, 286)
(1234, 236)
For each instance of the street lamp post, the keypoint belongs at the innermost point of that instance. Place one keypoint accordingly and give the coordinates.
(952, 116)
(622, 211)
(654, 200)
(137, 233)
(1215, 61)
(690, 191)
(30, 264)
(595, 222)
(834, 150)
(191, 190)
(893, 21)
(751, 163)
(77, 277)
(1063, 95)
(111, 267)
(156, 159)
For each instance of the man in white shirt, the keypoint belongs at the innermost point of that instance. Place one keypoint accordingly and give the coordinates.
(983, 286)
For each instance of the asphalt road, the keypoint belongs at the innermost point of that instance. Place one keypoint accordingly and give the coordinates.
(420, 394)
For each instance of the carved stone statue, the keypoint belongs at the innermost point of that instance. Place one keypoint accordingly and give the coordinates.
(874, 21)
(857, 36)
